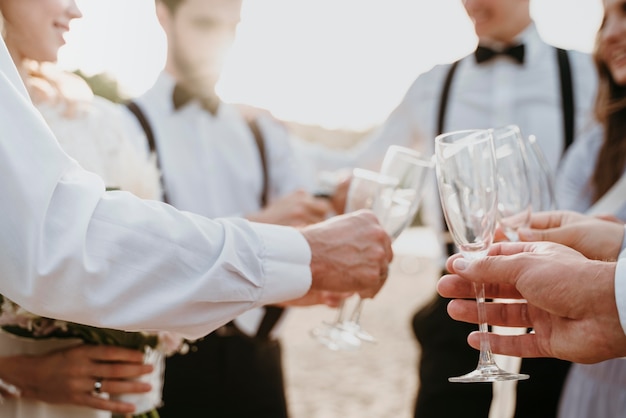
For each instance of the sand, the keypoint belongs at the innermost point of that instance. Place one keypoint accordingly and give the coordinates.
(378, 380)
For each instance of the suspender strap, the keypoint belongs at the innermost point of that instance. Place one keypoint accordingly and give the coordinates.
(260, 143)
(272, 313)
(445, 94)
(145, 125)
(567, 97)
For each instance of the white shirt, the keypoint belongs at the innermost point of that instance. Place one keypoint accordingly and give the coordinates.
(211, 164)
(497, 93)
(574, 189)
(73, 252)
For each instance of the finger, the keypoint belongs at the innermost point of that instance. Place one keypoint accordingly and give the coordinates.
(110, 353)
(501, 314)
(119, 370)
(554, 219)
(495, 269)
(98, 402)
(525, 345)
(454, 286)
(116, 386)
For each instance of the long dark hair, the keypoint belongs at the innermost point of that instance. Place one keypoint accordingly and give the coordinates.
(610, 111)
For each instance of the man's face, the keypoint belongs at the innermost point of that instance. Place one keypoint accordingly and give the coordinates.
(200, 34)
(497, 20)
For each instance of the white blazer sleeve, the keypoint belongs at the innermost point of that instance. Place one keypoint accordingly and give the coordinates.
(74, 252)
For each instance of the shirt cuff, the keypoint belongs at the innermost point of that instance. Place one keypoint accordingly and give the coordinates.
(620, 291)
(287, 263)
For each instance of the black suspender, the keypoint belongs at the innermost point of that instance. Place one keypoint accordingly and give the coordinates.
(145, 125)
(254, 128)
(260, 143)
(445, 95)
(567, 97)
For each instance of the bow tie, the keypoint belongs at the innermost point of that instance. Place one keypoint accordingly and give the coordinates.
(484, 54)
(181, 96)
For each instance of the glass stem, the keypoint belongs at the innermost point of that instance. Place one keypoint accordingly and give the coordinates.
(340, 311)
(356, 314)
(486, 358)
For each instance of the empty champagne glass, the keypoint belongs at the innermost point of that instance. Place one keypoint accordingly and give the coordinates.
(512, 184)
(543, 196)
(411, 170)
(466, 175)
(368, 190)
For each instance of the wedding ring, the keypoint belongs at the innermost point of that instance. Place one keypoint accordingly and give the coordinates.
(97, 386)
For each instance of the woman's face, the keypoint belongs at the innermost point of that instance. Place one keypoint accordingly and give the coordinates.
(612, 39)
(34, 29)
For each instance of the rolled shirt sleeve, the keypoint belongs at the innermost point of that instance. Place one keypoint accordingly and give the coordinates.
(72, 251)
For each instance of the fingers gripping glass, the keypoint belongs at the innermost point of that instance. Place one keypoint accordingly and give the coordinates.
(395, 209)
(367, 190)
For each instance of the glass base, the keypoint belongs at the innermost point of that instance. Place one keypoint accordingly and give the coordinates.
(335, 338)
(356, 330)
(490, 373)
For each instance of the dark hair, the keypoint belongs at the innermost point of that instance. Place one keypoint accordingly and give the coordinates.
(610, 111)
(172, 5)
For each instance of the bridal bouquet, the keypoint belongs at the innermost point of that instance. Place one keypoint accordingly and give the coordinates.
(18, 321)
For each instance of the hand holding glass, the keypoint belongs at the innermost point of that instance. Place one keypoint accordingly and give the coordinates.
(367, 190)
(396, 210)
(466, 175)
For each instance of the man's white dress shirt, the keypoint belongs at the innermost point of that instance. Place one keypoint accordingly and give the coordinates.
(492, 94)
(73, 252)
(210, 163)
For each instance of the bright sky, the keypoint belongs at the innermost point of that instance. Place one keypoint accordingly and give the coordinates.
(336, 63)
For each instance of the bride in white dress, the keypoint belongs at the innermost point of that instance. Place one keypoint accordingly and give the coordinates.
(57, 378)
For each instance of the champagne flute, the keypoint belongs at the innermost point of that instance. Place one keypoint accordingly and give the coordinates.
(543, 195)
(411, 169)
(513, 186)
(368, 190)
(466, 175)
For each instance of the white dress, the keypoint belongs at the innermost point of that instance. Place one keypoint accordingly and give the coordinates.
(96, 139)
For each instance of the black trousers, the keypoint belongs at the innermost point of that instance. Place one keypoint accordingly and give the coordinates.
(445, 353)
(232, 376)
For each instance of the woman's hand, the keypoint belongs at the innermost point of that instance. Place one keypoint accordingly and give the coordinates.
(70, 376)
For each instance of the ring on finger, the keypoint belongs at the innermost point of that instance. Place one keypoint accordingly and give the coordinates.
(97, 386)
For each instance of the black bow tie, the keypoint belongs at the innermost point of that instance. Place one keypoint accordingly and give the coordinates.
(181, 96)
(484, 54)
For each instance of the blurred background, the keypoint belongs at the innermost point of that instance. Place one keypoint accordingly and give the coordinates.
(332, 70)
(337, 64)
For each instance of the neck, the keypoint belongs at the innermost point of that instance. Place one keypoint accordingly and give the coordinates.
(20, 63)
(509, 37)
(204, 89)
